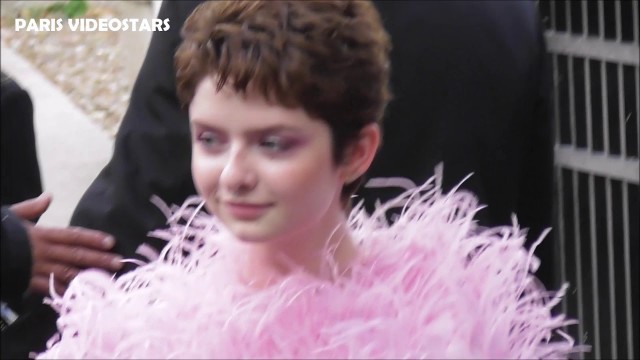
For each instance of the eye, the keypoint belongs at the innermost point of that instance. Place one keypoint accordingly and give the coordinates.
(210, 140)
(276, 144)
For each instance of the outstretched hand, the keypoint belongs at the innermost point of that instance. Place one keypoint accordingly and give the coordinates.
(62, 251)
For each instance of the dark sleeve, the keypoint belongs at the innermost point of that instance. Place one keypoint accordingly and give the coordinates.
(20, 169)
(16, 257)
(152, 153)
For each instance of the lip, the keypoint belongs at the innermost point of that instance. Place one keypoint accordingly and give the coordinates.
(245, 211)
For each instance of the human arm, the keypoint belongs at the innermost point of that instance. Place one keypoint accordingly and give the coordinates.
(16, 257)
(35, 252)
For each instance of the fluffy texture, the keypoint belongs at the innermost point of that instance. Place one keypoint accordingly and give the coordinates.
(431, 285)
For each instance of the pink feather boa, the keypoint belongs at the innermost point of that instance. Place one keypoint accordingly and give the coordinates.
(432, 285)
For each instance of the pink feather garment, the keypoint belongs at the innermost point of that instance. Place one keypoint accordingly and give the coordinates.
(431, 285)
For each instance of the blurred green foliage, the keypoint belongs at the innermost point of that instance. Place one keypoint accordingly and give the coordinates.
(69, 9)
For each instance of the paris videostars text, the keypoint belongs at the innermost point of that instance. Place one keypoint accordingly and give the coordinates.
(103, 24)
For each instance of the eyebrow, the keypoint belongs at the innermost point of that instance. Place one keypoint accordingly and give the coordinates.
(259, 131)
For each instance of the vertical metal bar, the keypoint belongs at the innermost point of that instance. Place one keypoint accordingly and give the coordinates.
(572, 101)
(623, 150)
(636, 36)
(572, 129)
(561, 225)
(570, 82)
(605, 107)
(572, 112)
(574, 174)
(592, 209)
(561, 237)
(594, 268)
(627, 268)
(587, 97)
(556, 97)
(621, 112)
(612, 282)
(637, 97)
(585, 23)
(578, 254)
(601, 19)
(625, 201)
(603, 82)
(625, 210)
(618, 21)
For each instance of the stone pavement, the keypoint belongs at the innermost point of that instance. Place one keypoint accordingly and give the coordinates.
(72, 149)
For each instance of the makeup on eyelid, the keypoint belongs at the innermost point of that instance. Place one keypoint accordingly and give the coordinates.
(275, 143)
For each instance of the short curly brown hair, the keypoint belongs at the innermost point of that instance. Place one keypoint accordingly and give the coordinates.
(330, 58)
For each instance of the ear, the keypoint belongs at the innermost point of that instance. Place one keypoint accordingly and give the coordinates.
(360, 154)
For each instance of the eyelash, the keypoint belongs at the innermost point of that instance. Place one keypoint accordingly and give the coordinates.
(210, 141)
(271, 144)
(276, 145)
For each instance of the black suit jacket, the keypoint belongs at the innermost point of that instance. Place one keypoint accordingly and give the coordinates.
(472, 90)
(472, 83)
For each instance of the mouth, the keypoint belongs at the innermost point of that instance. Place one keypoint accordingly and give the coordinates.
(245, 211)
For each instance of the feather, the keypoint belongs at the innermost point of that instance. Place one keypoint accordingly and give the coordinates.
(431, 285)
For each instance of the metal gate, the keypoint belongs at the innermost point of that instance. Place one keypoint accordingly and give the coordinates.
(594, 47)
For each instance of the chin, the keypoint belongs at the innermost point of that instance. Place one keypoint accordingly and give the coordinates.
(250, 235)
(251, 238)
(257, 231)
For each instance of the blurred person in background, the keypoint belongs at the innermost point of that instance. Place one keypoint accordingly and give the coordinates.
(31, 253)
(20, 170)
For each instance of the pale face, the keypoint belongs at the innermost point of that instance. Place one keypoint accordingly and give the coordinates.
(265, 171)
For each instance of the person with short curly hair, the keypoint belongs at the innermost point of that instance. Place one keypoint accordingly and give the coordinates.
(284, 101)
(329, 58)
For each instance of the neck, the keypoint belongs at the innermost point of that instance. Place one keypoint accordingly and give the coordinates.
(324, 251)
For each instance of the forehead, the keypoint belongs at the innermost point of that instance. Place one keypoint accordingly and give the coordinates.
(229, 108)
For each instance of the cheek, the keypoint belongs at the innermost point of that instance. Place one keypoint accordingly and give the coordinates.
(307, 184)
(205, 173)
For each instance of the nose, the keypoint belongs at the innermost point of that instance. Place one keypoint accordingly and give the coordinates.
(238, 175)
